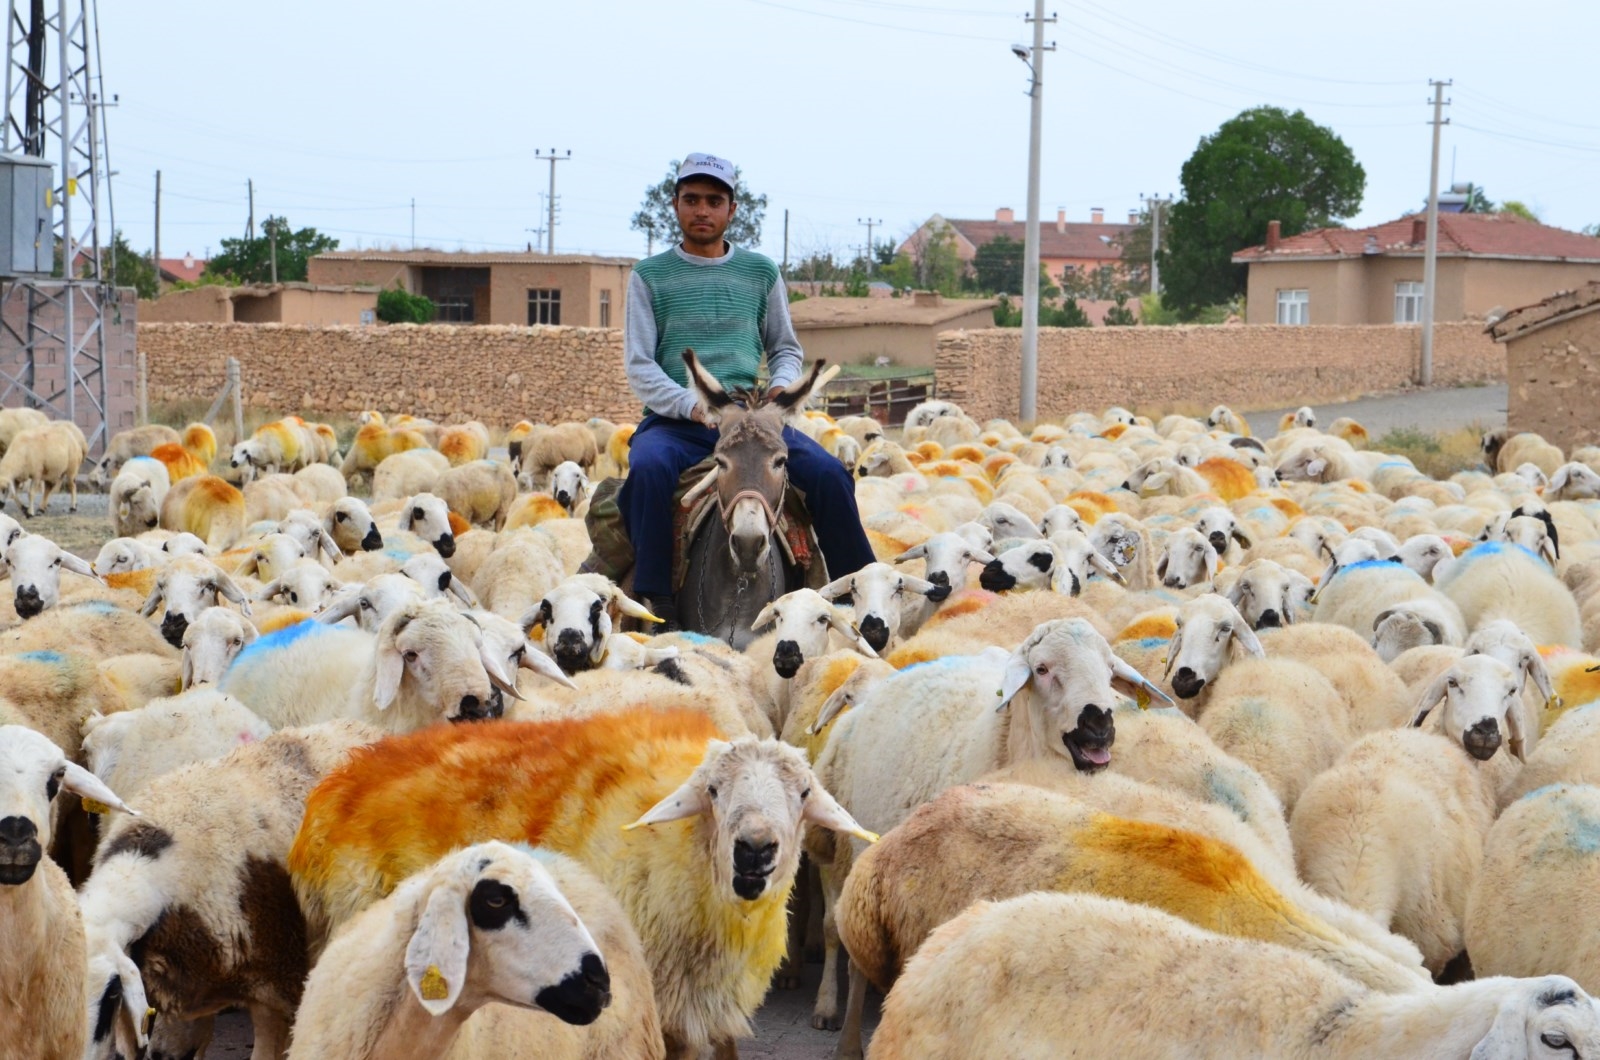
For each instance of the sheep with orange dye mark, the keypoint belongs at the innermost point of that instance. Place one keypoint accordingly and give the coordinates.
(206, 507)
(181, 463)
(374, 443)
(697, 838)
(996, 841)
(464, 442)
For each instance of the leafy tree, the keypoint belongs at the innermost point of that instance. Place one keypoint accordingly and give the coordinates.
(936, 263)
(1518, 209)
(997, 266)
(1119, 315)
(819, 267)
(1477, 201)
(130, 269)
(1263, 165)
(883, 254)
(658, 218)
(900, 273)
(1592, 230)
(250, 260)
(1135, 247)
(1067, 315)
(1099, 284)
(399, 306)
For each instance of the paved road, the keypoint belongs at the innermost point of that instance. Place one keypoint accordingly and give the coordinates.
(1438, 410)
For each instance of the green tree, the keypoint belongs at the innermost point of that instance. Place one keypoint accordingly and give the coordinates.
(1100, 284)
(900, 273)
(1135, 247)
(1477, 201)
(1263, 165)
(936, 263)
(1069, 314)
(1119, 315)
(399, 306)
(129, 269)
(997, 266)
(250, 260)
(1518, 209)
(657, 217)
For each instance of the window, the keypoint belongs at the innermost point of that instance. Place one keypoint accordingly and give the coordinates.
(544, 307)
(1408, 302)
(605, 309)
(1294, 307)
(453, 309)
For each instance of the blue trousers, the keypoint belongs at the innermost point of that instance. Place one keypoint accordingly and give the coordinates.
(663, 449)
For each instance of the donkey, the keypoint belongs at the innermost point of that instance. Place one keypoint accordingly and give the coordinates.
(733, 570)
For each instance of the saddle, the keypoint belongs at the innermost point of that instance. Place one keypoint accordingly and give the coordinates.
(612, 552)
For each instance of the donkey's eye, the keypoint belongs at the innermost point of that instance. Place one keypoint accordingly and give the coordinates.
(779, 461)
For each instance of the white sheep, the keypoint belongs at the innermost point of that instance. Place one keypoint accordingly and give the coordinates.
(570, 487)
(121, 555)
(36, 564)
(1415, 623)
(350, 525)
(1018, 978)
(406, 473)
(880, 594)
(1396, 828)
(126, 446)
(1188, 560)
(1503, 581)
(187, 586)
(199, 884)
(1026, 566)
(426, 663)
(576, 617)
(481, 492)
(1573, 482)
(47, 457)
(210, 644)
(1269, 595)
(42, 978)
(305, 586)
(428, 517)
(368, 604)
(136, 495)
(131, 748)
(806, 626)
(1531, 909)
(1358, 596)
(522, 567)
(947, 558)
(460, 952)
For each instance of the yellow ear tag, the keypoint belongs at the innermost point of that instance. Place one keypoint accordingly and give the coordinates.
(1553, 703)
(433, 986)
(93, 806)
(1141, 697)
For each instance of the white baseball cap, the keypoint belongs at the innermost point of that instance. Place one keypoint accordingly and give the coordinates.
(700, 164)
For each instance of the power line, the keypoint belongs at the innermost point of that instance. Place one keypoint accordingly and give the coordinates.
(880, 25)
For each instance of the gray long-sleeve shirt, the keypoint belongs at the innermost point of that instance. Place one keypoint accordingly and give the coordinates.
(650, 382)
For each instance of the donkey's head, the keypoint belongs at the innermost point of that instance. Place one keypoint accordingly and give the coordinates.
(751, 472)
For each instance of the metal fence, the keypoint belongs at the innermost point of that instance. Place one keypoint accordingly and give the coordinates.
(887, 399)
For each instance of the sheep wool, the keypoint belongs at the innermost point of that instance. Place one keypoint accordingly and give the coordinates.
(569, 786)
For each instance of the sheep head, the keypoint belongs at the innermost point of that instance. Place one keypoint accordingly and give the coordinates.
(435, 660)
(574, 621)
(947, 558)
(494, 926)
(210, 644)
(1482, 701)
(877, 590)
(752, 798)
(33, 771)
(187, 586)
(36, 564)
(1187, 559)
(804, 619)
(1207, 628)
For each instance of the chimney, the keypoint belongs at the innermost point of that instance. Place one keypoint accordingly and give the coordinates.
(1273, 231)
(1133, 217)
(1004, 215)
(1061, 219)
(926, 298)
(188, 260)
(1097, 215)
(1419, 229)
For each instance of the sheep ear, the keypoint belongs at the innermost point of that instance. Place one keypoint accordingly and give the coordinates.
(835, 589)
(602, 634)
(822, 810)
(924, 588)
(541, 664)
(1018, 672)
(1432, 696)
(1211, 563)
(766, 616)
(1376, 622)
(1106, 567)
(436, 956)
(847, 629)
(1130, 682)
(1235, 592)
(1156, 482)
(152, 602)
(230, 591)
(690, 800)
(633, 609)
(269, 590)
(326, 543)
(1558, 481)
(831, 707)
(78, 566)
(1507, 1036)
(391, 670)
(1243, 538)
(186, 677)
(1161, 565)
(133, 1020)
(85, 784)
(1514, 727)
(341, 609)
(1533, 666)
(1173, 647)
(461, 591)
(1246, 638)
(506, 683)
(1316, 467)
(914, 552)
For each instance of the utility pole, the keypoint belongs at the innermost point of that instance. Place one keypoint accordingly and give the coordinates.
(550, 221)
(250, 221)
(538, 236)
(157, 251)
(1431, 251)
(786, 244)
(413, 222)
(272, 235)
(1156, 203)
(870, 223)
(1034, 57)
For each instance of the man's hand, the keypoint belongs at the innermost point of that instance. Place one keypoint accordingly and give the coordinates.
(700, 416)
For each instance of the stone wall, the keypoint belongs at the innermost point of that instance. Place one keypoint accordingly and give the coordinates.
(1553, 374)
(1188, 369)
(445, 372)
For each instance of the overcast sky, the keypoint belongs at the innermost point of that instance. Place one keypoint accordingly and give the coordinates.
(344, 111)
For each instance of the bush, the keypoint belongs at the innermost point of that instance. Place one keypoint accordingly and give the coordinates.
(396, 306)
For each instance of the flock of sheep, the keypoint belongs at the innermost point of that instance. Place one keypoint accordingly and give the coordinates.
(1140, 738)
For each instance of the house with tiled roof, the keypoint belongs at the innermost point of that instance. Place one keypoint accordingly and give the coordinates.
(1064, 244)
(186, 269)
(1486, 262)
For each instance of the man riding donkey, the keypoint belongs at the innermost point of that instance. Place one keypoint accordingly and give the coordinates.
(730, 306)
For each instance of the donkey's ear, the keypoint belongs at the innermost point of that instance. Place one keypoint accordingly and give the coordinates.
(792, 398)
(706, 390)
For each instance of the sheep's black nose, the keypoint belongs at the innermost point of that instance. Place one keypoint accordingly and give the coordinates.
(941, 586)
(787, 659)
(756, 856)
(1219, 541)
(473, 708)
(15, 831)
(173, 626)
(1269, 620)
(20, 852)
(1187, 683)
(996, 578)
(1482, 740)
(28, 602)
(445, 546)
(372, 541)
(875, 631)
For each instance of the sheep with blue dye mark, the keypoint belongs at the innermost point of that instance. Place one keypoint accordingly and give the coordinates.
(427, 663)
(189, 908)
(1532, 909)
(136, 495)
(1366, 596)
(494, 951)
(1495, 580)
